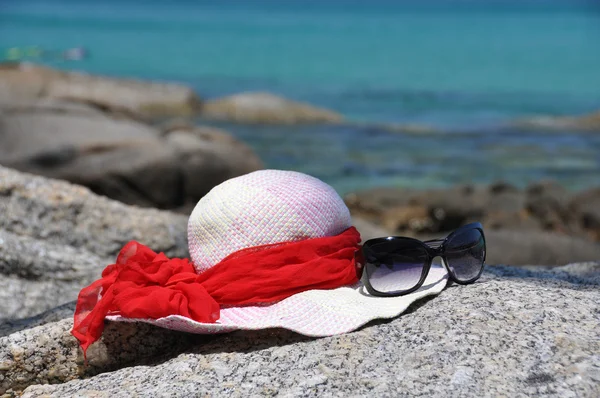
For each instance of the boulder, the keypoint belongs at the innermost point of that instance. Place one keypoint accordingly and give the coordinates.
(208, 148)
(121, 158)
(50, 354)
(55, 106)
(55, 314)
(417, 218)
(586, 207)
(367, 229)
(543, 206)
(372, 203)
(56, 237)
(265, 108)
(513, 332)
(537, 226)
(588, 122)
(42, 274)
(25, 82)
(590, 271)
(518, 247)
(435, 210)
(548, 202)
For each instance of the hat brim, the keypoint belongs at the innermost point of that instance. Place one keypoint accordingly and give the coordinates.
(312, 313)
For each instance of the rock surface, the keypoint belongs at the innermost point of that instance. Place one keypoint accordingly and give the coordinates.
(587, 206)
(50, 354)
(56, 237)
(265, 108)
(121, 158)
(55, 314)
(24, 82)
(367, 229)
(518, 247)
(589, 122)
(543, 224)
(513, 332)
(212, 150)
(58, 212)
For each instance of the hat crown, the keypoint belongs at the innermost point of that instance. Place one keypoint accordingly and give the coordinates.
(261, 208)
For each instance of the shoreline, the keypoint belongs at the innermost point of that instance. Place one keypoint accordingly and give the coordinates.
(190, 105)
(259, 119)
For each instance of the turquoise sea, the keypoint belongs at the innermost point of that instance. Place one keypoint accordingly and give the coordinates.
(465, 67)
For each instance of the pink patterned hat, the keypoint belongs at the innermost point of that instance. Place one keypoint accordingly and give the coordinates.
(269, 207)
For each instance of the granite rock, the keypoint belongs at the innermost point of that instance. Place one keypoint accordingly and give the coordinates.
(542, 224)
(56, 237)
(265, 108)
(20, 355)
(514, 332)
(26, 82)
(50, 354)
(55, 314)
(121, 158)
(367, 229)
(590, 272)
(588, 122)
(61, 213)
(20, 256)
(24, 298)
(210, 149)
(586, 205)
(518, 247)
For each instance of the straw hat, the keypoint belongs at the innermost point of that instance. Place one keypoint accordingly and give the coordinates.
(269, 207)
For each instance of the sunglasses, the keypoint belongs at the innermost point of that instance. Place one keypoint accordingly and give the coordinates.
(396, 265)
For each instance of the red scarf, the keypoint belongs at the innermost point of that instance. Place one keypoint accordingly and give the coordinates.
(143, 284)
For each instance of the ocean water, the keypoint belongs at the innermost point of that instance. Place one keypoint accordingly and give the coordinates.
(465, 67)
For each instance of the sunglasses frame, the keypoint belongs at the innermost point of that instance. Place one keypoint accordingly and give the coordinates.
(434, 248)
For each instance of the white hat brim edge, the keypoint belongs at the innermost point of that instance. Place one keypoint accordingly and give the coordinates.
(315, 313)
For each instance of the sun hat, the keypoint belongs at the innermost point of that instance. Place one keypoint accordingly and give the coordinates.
(268, 249)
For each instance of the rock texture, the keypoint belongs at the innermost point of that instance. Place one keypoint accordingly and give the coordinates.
(55, 314)
(531, 332)
(121, 158)
(212, 150)
(367, 229)
(517, 247)
(514, 332)
(24, 82)
(543, 224)
(589, 122)
(265, 108)
(587, 205)
(55, 237)
(50, 354)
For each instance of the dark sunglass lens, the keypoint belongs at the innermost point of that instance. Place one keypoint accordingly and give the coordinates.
(395, 266)
(465, 253)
